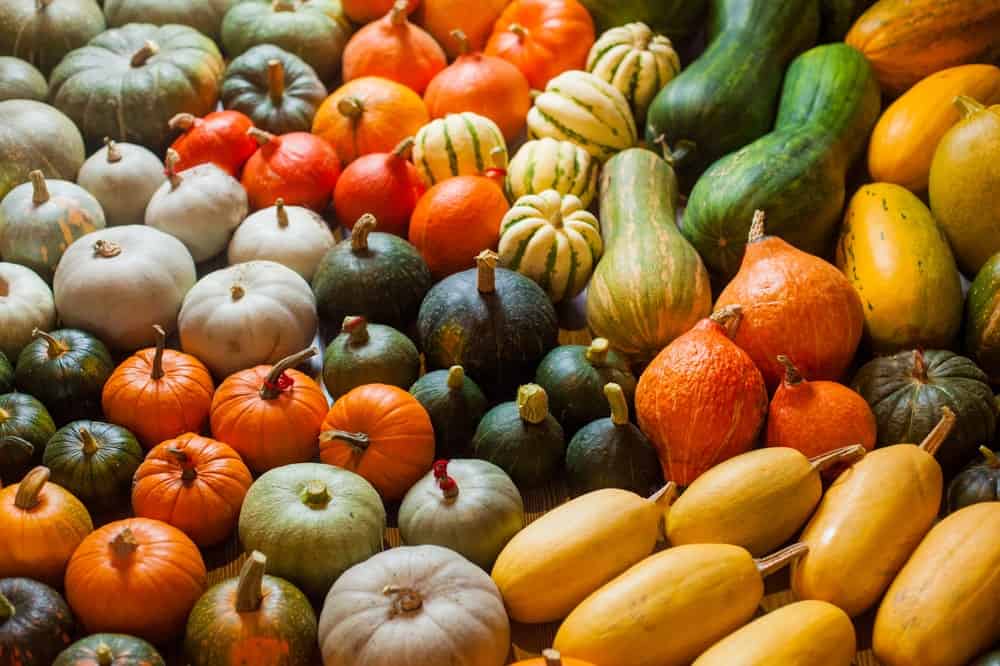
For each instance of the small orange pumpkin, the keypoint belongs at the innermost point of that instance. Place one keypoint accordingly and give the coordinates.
(366, 11)
(220, 138)
(386, 185)
(440, 17)
(299, 168)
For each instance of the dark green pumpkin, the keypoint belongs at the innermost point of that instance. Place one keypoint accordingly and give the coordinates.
(20, 80)
(456, 405)
(25, 427)
(982, 305)
(35, 623)
(37, 136)
(110, 650)
(6, 374)
(979, 482)
(906, 392)
(676, 19)
(93, 460)
(991, 658)
(366, 353)
(205, 16)
(66, 370)
(43, 31)
(522, 438)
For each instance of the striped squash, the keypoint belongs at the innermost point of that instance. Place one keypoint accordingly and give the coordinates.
(548, 164)
(460, 144)
(553, 240)
(636, 61)
(585, 109)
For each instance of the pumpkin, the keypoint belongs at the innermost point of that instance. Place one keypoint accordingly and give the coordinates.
(127, 83)
(418, 604)
(552, 658)
(277, 90)
(979, 482)
(455, 404)
(369, 115)
(382, 433)
(220, 138)
(548, 164)
(21, 80)
(543, 38)
(109, 650)
(375, 275)
(6, 374)
(247, 314)
(123, 281)
(123, 178)
(385, 185)
(35, 622)
(93, 460)
(369, 354)
(296, 511)
(366, 11)
(980, 306)
(136, 576)
(43, 31)
(37, 136)
(205, 17)
(459, 144)
(25, 427)
(39, 219)
(25, 304)
(293, 236)
(440, 17)
(299, 168)
(44, 524)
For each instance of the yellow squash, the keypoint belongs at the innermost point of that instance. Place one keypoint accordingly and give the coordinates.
(942, 609)
(757, 500)
(870, 521)
(669, 608)
(555, 562)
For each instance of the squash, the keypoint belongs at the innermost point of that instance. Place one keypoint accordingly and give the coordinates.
(469, 506)
(675, 18)
(254, 614)
(39, 219)
(205, 17)
(548, 164)
(36, 136)
(25, 427)
(299, 168)
(459, 144)
(220, 138)
(979, 482)
(25, 304)
(441, 17)
(980, 306)
(43, 31)
(385, 185)
(991, 658)
(877, 511)
(169, 70)
(109, 650)
(35, 622)
(953, 571)
(558, 560)
(455, 404)
(247, 314)
(703, 592)
(438, 607)
(293, 236)
(20, 80)
(312, 508)
(276, 89)
(650, 286)
(123, 178)
(366, 353)
(6, 374)
(93, 460)
(366, 11)
(552, 658)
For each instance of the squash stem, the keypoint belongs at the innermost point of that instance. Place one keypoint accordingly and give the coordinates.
(260, 136)
(55, 347)
(728, 318)
(356, 329)
(486, 275)
(148, 50)
(173, 157)
(90, 443)
(113, 154)
(7, 609)
(779, 560)
(39, 188)
(406, 599)
(463, 41)
(519, 30)
(597, 352)
(619, 405)
(403, 149)
(236, 292)
(845, 454)
(532, 403)
(182, 122)
(161, 344)
(107, 249)
(936, 437)
(552, 658)
(272, 386)
(991, 459)
(666, 495)
(31, 485)
(275, 81)
(124, 543)
(104, 655)
(456, 377)
(249, 588)
(919, 366)
(316, 495)
(757, 231)
(792, 375)
(358, 440)
(397, 15)
(188, 472)
(968, 106)
(280, 213)
(350, 107)
(283, 6)
(359, 232)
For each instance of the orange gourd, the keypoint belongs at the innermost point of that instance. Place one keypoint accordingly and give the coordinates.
(194, 483)
(366, 11)
(543, 38)
(270, 414)
(795, 304)
(369, 115)
(552, 658)
(135, 576)
(387, 185)
(701, 400)
(220, 138)
(158, 393)
(440, 17)
(299, 168)
(382, 433)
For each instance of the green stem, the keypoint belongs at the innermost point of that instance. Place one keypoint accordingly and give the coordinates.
(404, 148)
(991, 459)
(350, 107)
(316, 495)
(249, 588)
(968, 106)
(104, 655)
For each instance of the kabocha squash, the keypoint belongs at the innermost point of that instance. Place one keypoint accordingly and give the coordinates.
(25, 304)
(455, 404)
(205, 16)
(220, 138)
(459, 144)
(366, 11)
(299, 168)
(35, 622)
(25, 427)
(981, 341)
(385, 185)
(548, 164)
(109, 650)
(366, 353)
(37, 136)
(557, 561)
(979, 482)
(441, 17)
(675, 18)
(20, 80)
(43, 31)
(94, 461)
(293, 236)
(123, 178)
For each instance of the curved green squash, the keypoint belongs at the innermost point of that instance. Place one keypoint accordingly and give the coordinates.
(36, 136)
(982, 318)
(20, 80)
(44, 31)
(455, 404)
(677, 19)
(366, 353)
(25, 427)
(111, 649)
(93, 460)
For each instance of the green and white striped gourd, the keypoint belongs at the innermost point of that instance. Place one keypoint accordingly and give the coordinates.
(460, 144)
(548, 164)
(585, 109)
(636, 61)
(552, 239)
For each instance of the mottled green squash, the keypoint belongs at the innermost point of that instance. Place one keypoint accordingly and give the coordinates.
(366, 353)
(20, 80)
(35, 136)
(109, 650)
(982, 319)
(455, 404)
(205, 16)
(95, 461)
(43, 31)
(25, 427)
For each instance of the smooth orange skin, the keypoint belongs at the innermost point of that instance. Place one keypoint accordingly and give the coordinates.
(440, 17)
(383, 184)
(298, 167)
(366, 11)
(540, 661)
(816, 417)
(220, 138)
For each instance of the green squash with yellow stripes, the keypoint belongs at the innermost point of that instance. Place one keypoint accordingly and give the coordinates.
(460, 144)
(549, 164)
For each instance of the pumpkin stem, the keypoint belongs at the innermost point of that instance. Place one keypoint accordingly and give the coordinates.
(124, 543)
(275, 81)
(991, 459)
(919, 366)
(316, 495)
(281, 213)
(7, 609)
(56, 348)
(519, 30)
(183, 122)
(357, 440)
(107, 249)
(619, 405)
(597, 352)
(29, 488)
(552, 658)
(936, 437)
(148, 50)
(104, 655)
(456, 377)
(663, 499)
(486, 276)
(283, 6)
(113, 154)
(161, 344)
(357, 330)
(845, 454)
(968, 106)
(792, 375)
(498, 156)
(779, 560)
(532, 403)
(90, 443)
(350, 107)
(757, 227)
(359, 233)
(249, 588)
(173, 157)
(407, 600)
(188, 472)
(40, 190)
(404, 148)
(463, 41)
(447, 484)
(276, 380)
(397, 15)
(728, 318)
(260, 136)
(236, 292)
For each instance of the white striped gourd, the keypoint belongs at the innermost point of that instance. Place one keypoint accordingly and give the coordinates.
(548, 164)
(460, 144)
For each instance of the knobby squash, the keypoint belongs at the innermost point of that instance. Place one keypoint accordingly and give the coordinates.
(979, 482)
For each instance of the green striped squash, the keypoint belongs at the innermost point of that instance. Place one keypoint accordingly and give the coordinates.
(637, 62)
(460, 144)
(585, 109)
(553, 240)
(548, 164)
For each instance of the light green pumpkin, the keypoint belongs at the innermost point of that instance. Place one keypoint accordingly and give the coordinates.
(36, 136)
(43, 31)
(205, 16)
(20, 80)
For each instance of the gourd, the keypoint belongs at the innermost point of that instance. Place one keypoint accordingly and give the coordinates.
(459, 144)
(109, 650)
(247, 314)
(205, 17)
(829, 104)
(469, 506)
(366, 353)
(455, 404)
(980, 305)
(440, 17)
(94, 461)
(43, 31)
(20, 80)
(299, 168)
(220, 138)
(309, 507)
(385, 185)
(35, 622)
(650, 286)
(25, 427)
(548, 164)
(979, 482)
(558, 560)
(675, 18)
(37, 136)
(25, 304)
(396, 593)
(293, 236)
(123, 178)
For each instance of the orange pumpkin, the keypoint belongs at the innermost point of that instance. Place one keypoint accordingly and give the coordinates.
(544, 38)
(440, 17)
(194, 483)
(366, 11)
(369, 115)
(386, 185)
(382, 433)
(42, 524)
(220, 138)
(158, 393)
(299, 168)
(552, 658)
(135, 576)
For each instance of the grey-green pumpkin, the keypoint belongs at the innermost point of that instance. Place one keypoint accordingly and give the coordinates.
(43, 31)
(20, 80)
(36, 136)
(366, 353)
(205, 16)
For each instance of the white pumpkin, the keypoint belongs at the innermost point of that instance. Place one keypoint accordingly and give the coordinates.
(201, 206)
(460, 144)
(548, 164)
(246, 315)
(118, 282)
(290, 235)
(414, 606)
(25, 304)
(123, 177)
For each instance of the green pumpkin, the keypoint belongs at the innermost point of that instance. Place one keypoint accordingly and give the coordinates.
(677, 19)
(36, 136)
(39, 220)
(25, 427)
(6, 374)
(455, 404)
(366, 353)
(906, 392)
(276, 89)
(253, 617)
(43, 31)
(982, 304)
(205, 16)
(612, 453)
(110, 650)
(20, 80)
(991, 658)
(979, 482)
(522, 438)
(313, 522)
(93, 460)
(66, 370)
(127, 83)
(35, 623)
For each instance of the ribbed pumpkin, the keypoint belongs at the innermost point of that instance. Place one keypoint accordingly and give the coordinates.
(40, 137)
(123, 178)
(20, 80)
(219, 138)
(293, 236)
(95, 461)
(205, 16)
(455, 404)
(25, 427)
(43, 31)
(979, 482)
(548, 164)
(366, 353)
(109, 650)
(459, 144)
(35, 622)
(299, 168)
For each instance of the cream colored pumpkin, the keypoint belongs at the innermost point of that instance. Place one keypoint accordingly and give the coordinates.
(414, 606)
(548, 164)
(460, 144)
(123, 177)
(246, 315)
(25, 304)
(293, 236)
